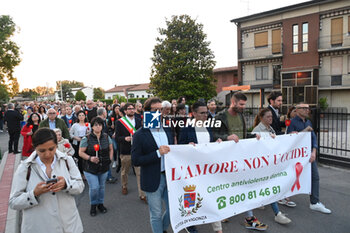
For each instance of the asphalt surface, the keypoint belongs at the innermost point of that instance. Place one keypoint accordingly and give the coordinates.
(129, 214)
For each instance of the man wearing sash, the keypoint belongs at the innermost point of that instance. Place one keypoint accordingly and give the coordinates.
(125, 129)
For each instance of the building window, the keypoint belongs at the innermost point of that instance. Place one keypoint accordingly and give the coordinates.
(336, 71)
(336, 80)
(305, 36)
(137, 96)
(148, 96)
(143, 96)
(337, 32)
(260, 39)
(276, 41)
(295, 38)
(261, 73)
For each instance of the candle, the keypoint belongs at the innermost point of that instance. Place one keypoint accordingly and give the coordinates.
(70, 121)
(287, 122)
(96, 147)
(31, 127)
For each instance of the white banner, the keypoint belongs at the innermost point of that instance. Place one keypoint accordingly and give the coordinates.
(214, 181)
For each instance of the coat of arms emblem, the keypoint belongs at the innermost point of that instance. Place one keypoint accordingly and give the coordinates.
(190, 202)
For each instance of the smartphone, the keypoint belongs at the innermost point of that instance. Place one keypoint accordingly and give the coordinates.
(51, 181)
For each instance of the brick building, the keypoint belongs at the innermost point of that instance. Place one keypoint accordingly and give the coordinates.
(302, 50)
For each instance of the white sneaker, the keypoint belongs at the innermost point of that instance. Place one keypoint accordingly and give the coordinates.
(114, 165)
(282, 219)
(320, 208)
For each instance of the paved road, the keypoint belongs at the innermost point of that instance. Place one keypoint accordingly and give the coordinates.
(127, 214)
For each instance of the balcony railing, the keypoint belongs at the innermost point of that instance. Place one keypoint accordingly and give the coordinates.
(268, 51)
(329, 42)
(334, 81)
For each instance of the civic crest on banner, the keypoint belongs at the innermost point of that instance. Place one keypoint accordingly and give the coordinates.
(190, 202)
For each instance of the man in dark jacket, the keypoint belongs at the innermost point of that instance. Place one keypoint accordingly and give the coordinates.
(90, 110)
(52, 122)
(125, 129)
(148, 150)
(13, 119)
(275, 103)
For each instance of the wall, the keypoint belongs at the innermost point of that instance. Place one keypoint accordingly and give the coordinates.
(336, 98)
(225, 79)
(300, 60)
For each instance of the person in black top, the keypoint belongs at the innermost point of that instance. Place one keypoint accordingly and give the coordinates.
(275, 103)
(13, 119)
(2, 113)
(125, 129)
(90, 110)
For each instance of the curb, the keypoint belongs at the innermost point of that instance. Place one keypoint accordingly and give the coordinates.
(11, 223)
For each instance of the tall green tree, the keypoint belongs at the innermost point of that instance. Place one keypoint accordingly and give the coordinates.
(99, 93)
(4, 95)
(29, 93)
(67, 88)
(9, 54)
(182, 61)
(80, 96)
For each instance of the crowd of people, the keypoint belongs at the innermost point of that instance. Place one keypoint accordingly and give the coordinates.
(67, 143)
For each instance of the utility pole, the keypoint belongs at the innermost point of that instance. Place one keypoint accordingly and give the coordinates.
(61, 91)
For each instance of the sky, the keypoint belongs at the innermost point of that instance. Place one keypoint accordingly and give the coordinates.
(109, 42)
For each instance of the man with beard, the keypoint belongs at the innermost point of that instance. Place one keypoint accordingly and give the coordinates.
(138, 112)
(275, 103)
(233, 128)
(125, 129)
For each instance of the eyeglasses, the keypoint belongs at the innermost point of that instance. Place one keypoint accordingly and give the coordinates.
(130, 108)
(51, 113)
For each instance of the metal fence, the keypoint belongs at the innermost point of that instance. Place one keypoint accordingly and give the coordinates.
(332, 127)
(333, 133)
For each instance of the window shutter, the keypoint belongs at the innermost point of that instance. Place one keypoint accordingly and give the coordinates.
(260, 39)
(276, 41)
(337, 31)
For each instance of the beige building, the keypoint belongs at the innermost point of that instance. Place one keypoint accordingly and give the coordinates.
(302, 50)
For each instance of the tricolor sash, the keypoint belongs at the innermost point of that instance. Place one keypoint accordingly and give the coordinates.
(127, 124)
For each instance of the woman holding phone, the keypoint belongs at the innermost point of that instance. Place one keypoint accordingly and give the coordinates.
(44, 186)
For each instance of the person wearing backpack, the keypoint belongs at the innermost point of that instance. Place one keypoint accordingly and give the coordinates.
(44, 187)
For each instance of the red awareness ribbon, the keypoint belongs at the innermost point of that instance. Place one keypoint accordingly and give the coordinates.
(298, 170)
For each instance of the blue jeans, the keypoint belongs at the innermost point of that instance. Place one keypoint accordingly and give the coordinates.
(96, 187)
(315, 184)
(275, 208)
(159, 222)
